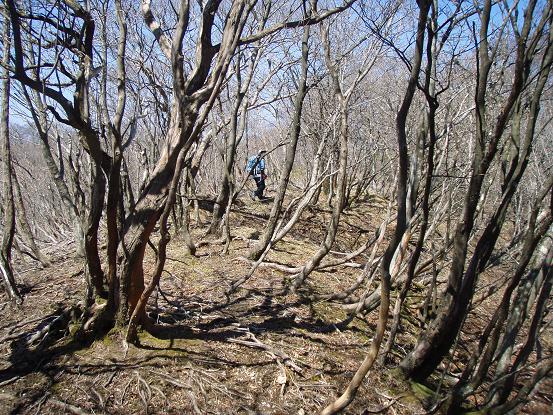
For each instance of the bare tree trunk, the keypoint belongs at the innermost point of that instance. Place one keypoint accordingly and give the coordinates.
(342, 96)
(506, 374)
(115, 197)
(441, 334)
(506, 387)
(428, 129)
(189, 187)
(543, 371)
(401, 222)
(9, 209)
(228, 161)
(334, 220)
(238, 119)
(23, 225)
(256, 251)
(184, 229)
(139, 310)
(195, 90)
(70, 202)
(186, 121)
(481, 359)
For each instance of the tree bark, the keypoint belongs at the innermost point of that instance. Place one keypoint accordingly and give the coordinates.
(295, 128)
(437, 340)
(9, 209)
(23, 225)
(401, 222)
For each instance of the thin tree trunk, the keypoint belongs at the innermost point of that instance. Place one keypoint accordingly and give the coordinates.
(429, 128)
(437, 340)
(482, 357)
(401, 221)
(9, 209)
(23, 225)
(506, 373)
(139, 309)
(256, 251)
(334, 220)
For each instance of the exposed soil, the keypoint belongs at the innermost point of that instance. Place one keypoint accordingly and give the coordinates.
(262, 351)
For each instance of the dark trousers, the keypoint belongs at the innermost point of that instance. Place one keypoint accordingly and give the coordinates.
(260, 182)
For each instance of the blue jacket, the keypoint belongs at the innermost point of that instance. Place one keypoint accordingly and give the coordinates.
(255, 166)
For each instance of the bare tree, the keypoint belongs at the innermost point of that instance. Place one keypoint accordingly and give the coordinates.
(442, 332)
(401, 219)
(27, 238)
(9, 208)
(194, 93)
(342, 94)
(256, 251)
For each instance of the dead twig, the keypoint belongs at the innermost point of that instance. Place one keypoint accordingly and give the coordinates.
(10, 380)
(391, 402)
(41, 335)
(110, 379)
(125, 392)
(65, 407)
(276, 354)
(144, 390)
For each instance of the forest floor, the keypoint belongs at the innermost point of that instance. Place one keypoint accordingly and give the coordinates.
(262, 351)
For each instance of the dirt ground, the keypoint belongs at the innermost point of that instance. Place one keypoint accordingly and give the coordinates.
(260, 351)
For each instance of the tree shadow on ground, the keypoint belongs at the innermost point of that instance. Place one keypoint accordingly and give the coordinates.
(268, 315)
(33, 349)
(256, 311)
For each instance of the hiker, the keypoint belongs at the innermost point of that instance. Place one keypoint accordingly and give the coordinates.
(256, 168)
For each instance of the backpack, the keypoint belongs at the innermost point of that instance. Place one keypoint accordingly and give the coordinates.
(251, 164)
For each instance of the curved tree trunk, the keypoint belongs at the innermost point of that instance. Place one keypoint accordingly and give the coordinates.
(428, 129)
(224, 192)
(199, 90)
(437, 340)
(401, 222)
(481, 359)
(338, 202)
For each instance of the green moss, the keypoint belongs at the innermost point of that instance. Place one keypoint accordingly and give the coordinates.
(422, 391)
(147, 339)
(328, 313)
(317, 377)
(73, 329)
(174, 346)
(424, 394)
(114, 331)
(107, 340)
(99, 300)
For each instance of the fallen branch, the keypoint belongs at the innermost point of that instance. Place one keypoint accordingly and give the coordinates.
(58, 322)
(65, 407)
(276, 354)
(10, 380)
